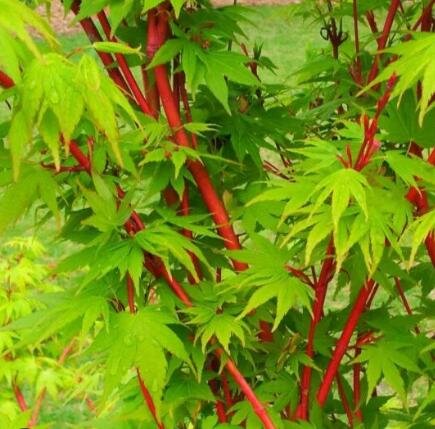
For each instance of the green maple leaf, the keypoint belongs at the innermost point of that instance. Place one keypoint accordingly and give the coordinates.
(385, 358)
(139, 341)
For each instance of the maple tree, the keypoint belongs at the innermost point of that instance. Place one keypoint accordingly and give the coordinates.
(234, 253)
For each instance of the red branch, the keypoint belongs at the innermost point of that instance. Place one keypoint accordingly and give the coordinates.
(358, 66)
(343, 342)
(37, 408)
(418, 197)
(372, 22)
(209, 195)
(321, 287)
(404, 300)
(21, 400)
(370, 145)
(94, 36)
(357, 387)
(382, 40)
(139, 97)
(149, 400)
(344, 400)
(257, 406)
(6, 81)
(425, 17)
(130, 294)
(219, 405)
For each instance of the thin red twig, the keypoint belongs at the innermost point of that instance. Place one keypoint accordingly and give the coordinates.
(344, 400)
(405, 301)
(128, 75)
(94, 36)
(21, 400)
(358, 66)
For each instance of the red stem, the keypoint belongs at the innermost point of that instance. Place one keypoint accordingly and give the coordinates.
(405, 301)
(382, 40)
(343, 342)
(107, 59)
(137, 93)
(321, 287)
(219, 405)
(6, 81)
(372, 22)
(370, 145)
(358, 65)
(212, 201)
(257, 406)
(37, 408)
(130, 294)
(227, 391)
(357, 387)
(149, 400)
(21, 400)
(344, 400)
(151, 93)
(424, 17)
(268, 166)
(91, 405)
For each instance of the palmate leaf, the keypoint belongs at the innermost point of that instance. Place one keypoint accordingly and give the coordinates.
(317, 154)
(19, 196)
(56, 94)
(142, 342)
(162, 241)
(343, 184)
(16, 17)
(407, 168)
(11, 55)
(220, 324)
(297, 194)
(402, 125)
(416, 63)
(215, 67)
(287, 290)
(389, 214)
(386, 357)
(106, 216)
(184, 389)
(221, 65)
(270, 279)
(65, 309)
(100, 259)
